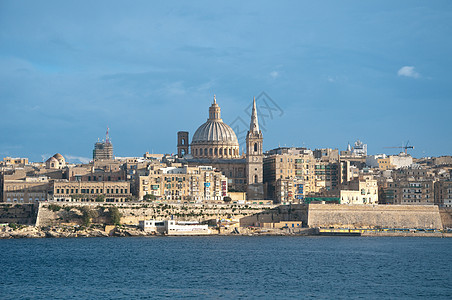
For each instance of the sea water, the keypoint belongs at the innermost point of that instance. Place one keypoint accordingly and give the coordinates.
(232, 267)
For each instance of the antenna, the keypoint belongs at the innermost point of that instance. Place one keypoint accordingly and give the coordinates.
(107, 138)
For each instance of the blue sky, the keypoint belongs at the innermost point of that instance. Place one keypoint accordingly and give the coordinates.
(378, 71)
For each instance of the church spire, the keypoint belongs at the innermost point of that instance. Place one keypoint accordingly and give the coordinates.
(254, 125)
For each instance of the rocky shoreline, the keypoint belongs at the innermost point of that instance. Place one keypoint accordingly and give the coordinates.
(24, 231)
(27, 231)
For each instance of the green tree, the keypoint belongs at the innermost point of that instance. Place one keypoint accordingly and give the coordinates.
(149, 197)
(88, 215)
(100, 198)
(115, 215)
(227, 199)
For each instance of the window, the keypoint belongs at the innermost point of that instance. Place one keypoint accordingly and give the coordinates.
(255, 147)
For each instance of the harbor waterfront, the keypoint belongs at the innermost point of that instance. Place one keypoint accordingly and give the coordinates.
(227, 267)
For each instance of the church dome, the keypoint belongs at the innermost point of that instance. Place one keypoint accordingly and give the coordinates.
(214, 131)
(58, 156)
(214, 139)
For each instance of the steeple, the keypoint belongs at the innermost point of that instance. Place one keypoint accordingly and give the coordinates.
(254, 159)
(254, 125)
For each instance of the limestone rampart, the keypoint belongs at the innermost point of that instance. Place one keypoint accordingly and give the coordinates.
(374, 216)
(296, 212)
(446, 217)
(132, 213)
(18, 213)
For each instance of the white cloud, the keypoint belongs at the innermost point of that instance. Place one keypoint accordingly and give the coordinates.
(75, 159)
(408, 71)
(274, 74)
(45, 156)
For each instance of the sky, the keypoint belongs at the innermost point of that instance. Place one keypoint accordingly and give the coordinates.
(324, 73)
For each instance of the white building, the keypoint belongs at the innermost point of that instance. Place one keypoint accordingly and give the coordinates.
(360, 191)
(359, 149)
(372, 160)
(172, 227)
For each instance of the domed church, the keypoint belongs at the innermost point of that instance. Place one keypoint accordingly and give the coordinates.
(215, 144)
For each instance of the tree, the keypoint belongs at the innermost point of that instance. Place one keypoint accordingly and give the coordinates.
(227, 199)
(149, 197)
(88, 215)
(100, 198)
(115, 215)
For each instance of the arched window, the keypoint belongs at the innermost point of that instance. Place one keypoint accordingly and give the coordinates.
(255, 178)
(230, 151)
(220, 151)
(255, 147)
(183, 141)
(196, 152)
(205, 151)
(216, 151)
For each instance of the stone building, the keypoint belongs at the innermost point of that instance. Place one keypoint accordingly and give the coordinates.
(286, 168)
(185, 184)
(83, 191)
(26, 190)
(10, 161)
(443, 193)
(56, 162)
(363, 190)
(215, 144)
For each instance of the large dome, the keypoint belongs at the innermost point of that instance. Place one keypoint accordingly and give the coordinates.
(214, 131)
(214, 139)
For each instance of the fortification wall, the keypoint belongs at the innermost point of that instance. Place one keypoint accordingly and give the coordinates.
(446, 217)
(374, 216)
(18, 213)
(70, 213)
(296, 212)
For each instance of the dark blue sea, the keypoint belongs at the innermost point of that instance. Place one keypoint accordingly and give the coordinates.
(226, 267)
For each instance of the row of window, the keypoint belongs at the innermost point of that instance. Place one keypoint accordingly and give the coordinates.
(91, 191)
(21, 200)
(216, 151)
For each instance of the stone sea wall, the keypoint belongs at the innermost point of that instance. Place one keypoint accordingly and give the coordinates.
(446, 217)
(71, 213)
(374, 216)
(18, 213)
(353, 216)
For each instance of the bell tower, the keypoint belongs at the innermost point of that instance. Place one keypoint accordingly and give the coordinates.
(254, 158)
(182, 143)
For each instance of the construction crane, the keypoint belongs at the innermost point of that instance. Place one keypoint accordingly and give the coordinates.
(406, 147)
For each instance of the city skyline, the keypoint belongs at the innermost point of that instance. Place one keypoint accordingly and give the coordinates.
(378, 72)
